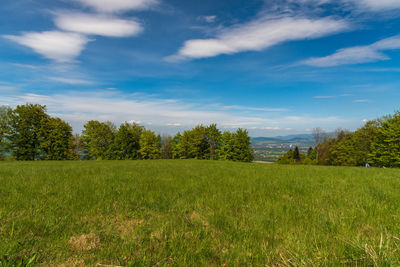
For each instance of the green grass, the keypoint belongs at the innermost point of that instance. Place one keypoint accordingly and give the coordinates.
(197, 213)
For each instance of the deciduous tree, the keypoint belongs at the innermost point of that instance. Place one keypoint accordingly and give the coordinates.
(150, 145)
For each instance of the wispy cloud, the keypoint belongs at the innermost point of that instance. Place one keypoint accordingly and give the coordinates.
(373, 5)
(238, 107)
(258, 35)
(8, 88)
(71, 81)
(324, 96)
(97, 24)
(208, 19)
(357, 54)
(361, 100)
(118, 5)
(162, 114)
(80, 107)
(360, 5)
(174, 124)
(55, 45)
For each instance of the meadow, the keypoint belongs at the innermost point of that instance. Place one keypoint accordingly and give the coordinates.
(197, 213)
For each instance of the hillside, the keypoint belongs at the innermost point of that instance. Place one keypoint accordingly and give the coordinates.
(197, 213)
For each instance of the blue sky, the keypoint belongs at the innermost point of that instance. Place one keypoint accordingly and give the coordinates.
(275, 67)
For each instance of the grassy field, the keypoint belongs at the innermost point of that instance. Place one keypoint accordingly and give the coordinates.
(197, 213)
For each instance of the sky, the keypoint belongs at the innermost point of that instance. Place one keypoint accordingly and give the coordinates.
(274, 67)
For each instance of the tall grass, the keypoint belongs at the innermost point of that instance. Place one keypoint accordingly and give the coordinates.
(197, 213)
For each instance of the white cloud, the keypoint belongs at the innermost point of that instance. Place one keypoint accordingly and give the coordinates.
(165, 115)
(258, 35)
(324, 96)
(174, 124)
(134, 122)
(95, 24)
(71, 81)
(270, 128)
(238, 107)
(208, 19)
(84, 106)
(361, 101)
(364, 5)
(377, 4)
(118, 5)
(55, 45)
(8, 88)
(357, 54)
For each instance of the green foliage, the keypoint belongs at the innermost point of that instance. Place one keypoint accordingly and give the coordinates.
(376, 143)
(77, 147)
(98, 138)
(126, 142)
(166, 147)
(195, 143)
(386, 146)
(5, 113)
(225, 151)
(29, 133)
(55, 138)
(197, 213)
(295, 157)
(296, 154)
(241, 146)
(178, 151)
(150, 145)
(311, 154)
(213, 137)
(25, 128)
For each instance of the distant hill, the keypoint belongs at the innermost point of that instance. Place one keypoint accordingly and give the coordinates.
(295, 139)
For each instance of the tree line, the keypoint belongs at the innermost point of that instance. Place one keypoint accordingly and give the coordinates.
(29, 133)
(377, 143)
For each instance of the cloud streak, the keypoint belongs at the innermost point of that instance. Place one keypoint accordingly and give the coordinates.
(167, 115)
(258, 35)
(357, 54)
(111, 6)
(55, 45)
(373, 5)
(97, 24)
(71, 81)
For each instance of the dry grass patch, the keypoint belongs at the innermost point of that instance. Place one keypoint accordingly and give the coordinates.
(127, 227)
(197, 218)
(84, 242)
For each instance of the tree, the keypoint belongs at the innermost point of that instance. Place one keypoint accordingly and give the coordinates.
(5, 113)
(150, 145)
(166, 147)
(126, 142)
(342, 151)
(178, 151)
(286, 158)
(55, 138)
(213, 136)
(25, 124)
(77, 147)
(386, 146)
(311, 153)
(98, 138)
(241, 146)
(225, 150)
(294, 157)
(320, 136)
(195, 143)
(296, 154)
